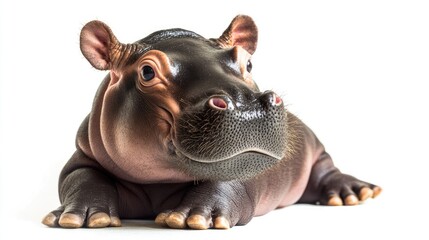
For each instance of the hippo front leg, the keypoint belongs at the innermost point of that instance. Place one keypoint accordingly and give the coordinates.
(88, 197)
(328, 186)
(218, 205)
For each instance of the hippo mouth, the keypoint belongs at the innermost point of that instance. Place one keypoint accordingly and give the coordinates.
(243, 165)
(233, 156)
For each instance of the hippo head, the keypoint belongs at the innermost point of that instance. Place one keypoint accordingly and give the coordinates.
(194, 98)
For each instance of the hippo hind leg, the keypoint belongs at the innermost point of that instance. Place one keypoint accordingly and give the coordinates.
(328, 186)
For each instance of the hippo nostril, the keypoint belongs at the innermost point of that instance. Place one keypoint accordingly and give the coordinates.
(269, 99)
(218, 103)
(277, 100)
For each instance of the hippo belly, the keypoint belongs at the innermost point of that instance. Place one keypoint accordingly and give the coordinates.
(298, 172)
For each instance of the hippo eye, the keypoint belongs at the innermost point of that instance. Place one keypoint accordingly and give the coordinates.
(148, 73)
(249, 66)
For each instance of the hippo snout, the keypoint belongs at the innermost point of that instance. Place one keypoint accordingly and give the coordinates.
(228, 138)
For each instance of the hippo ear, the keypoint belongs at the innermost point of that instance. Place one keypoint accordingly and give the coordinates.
(241, 32)
(97, 43)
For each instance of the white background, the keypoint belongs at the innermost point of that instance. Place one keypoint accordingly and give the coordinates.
(355, 71)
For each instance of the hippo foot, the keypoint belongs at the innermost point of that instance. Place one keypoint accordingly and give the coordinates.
(219, 205)
(89, 199)
(340, 189)
(77, 219)
(192, 218)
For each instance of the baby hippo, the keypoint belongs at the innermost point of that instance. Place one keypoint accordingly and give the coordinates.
(179, 132)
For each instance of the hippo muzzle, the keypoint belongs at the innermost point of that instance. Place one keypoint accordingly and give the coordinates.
(223, 139)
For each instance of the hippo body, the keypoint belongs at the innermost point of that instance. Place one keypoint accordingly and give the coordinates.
(179, 132)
